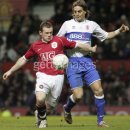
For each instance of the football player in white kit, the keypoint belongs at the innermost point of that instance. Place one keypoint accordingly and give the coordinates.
(80, 29)
(49, 80)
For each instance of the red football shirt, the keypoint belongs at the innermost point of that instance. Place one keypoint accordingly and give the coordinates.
(46, 51)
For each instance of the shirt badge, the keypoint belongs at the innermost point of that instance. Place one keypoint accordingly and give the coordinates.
(54, 44)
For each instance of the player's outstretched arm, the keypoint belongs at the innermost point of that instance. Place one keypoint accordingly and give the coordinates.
(87, 47)
(122, 29)
(20, 62)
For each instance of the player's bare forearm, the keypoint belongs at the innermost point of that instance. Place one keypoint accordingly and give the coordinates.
(20, 63)
(122, 29)
(87, 47)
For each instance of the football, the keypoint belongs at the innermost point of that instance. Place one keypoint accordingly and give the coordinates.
(60, 61)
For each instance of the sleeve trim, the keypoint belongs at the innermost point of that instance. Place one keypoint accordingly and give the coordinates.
(25, 58)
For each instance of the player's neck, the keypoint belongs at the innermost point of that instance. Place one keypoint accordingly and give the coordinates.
(80, 21)
(45, 41)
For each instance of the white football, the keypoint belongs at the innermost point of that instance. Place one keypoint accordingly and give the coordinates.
(60, 61)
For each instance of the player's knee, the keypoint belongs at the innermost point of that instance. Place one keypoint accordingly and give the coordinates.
(40, 101)
(99, 92)
(78, 97)
(40, 98)
(78, 94)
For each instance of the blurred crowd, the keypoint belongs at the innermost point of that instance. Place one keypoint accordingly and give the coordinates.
(23, 30)
(17, 90)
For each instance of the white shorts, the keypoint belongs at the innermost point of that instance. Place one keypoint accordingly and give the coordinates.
(51, 85)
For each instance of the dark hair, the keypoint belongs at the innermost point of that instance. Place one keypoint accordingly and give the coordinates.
(47, 24)
(82, 4)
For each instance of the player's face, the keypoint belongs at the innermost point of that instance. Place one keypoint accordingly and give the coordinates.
(46, 34)
(79, 13)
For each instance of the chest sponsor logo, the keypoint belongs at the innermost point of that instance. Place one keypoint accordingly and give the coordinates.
(47, 55)
(79, 36)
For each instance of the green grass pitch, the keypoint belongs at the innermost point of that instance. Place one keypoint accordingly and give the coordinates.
(58, 123)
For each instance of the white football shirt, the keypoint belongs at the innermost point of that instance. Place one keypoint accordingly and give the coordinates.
(81, 32)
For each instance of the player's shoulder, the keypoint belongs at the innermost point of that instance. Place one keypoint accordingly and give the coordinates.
(58, 38)
(90, 21)
(93, 23)
(38, 42)
(72, 22)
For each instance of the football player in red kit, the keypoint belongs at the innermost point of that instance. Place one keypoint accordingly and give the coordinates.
(49, 81)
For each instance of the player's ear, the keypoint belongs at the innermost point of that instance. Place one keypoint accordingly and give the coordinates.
(40, 33)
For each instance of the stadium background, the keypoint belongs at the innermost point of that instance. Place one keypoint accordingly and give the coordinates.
(19, 22)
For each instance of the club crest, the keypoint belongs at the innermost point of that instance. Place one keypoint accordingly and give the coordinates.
(54, 44)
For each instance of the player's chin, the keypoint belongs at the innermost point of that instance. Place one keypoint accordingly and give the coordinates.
(79, 19)
(49, 39)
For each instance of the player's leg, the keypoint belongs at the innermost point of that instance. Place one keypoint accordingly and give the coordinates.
(55, 92)
(93, 80)
(41, 109)
(74, 98)
(71, 102)
(99, 102)
(74, 75)
(41, 92)
(76, 83)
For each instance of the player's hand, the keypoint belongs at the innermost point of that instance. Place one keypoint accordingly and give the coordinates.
(94, 48)
(123, 28)
(6, 75)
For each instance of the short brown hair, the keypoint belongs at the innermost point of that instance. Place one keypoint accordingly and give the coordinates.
(47, 24)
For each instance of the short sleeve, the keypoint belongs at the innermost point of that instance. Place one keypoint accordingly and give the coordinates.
(99, 32)
(68, 44)
(30, 53)
(62, 30)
